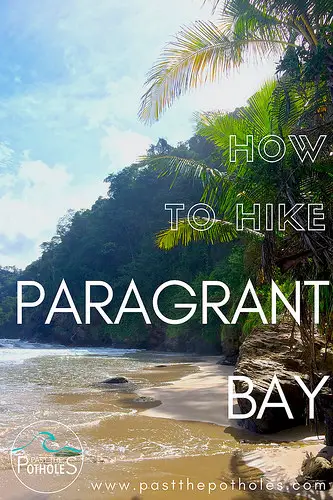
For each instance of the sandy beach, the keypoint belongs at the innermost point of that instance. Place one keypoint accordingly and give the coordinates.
(183, 436)
(201, 396)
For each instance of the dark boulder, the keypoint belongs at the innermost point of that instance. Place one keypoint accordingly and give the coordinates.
(144, 400)
(326, 405)
(116, 380)
(227, 360)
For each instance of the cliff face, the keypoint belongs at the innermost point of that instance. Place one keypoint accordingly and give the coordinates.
(270, 351)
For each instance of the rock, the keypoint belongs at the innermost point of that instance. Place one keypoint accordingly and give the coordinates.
(227, 361)
(161, 366)
(265, 352)
(116, 380)
(144, 399)
(315, 469)
(155, 337)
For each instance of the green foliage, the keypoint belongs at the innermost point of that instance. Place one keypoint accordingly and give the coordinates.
(297, 31)
(115, 242)
(276, 109)
(8, 277)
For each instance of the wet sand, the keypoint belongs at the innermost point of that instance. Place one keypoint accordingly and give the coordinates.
(183, 435)
(199, 475)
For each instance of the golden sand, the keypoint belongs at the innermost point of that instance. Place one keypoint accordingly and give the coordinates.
(167, 445)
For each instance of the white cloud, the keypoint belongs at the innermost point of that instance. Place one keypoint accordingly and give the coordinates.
(38, 175)
(77, 70)
(123, 147)
(39, 195)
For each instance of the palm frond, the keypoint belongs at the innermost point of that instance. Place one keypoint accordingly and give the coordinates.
(317, 187)
(295, 8)
(286, 106)
(218, 128)
(188, 167)
(321, 10)
(241, 19)
(212, 179)
(256, 114)
(200, 53)
(316, 12)
(254, 119)
(220, 232)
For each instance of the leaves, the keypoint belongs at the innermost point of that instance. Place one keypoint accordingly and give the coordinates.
(246, 30)
(220, 232)
(168, 164)
(241, 19)
(199, 54)
(211, 178)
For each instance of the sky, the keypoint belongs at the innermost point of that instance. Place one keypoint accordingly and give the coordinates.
(71, 77)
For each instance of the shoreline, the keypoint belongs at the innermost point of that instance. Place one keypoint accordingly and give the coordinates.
(200, 397)
(203, 397)
(192, 410)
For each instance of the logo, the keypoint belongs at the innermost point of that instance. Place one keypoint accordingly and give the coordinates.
(47, 456)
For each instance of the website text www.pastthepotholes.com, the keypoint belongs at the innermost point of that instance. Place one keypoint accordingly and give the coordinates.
(188, 485)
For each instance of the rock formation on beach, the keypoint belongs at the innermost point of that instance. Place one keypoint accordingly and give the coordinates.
(269, 351)
(116, 380)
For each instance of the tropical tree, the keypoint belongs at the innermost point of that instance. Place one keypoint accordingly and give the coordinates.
(290, 255)
(300, 32)
(269, 112)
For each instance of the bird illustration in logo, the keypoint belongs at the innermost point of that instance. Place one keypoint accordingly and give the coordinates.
(48, 436)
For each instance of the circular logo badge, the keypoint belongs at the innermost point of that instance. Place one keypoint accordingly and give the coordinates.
(47, 456)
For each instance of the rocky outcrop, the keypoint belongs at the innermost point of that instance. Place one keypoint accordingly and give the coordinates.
(266, 352)
(116, 380)
(325, 399)
(317, 468)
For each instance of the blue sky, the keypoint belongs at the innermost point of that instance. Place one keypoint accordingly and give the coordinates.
(71, 76)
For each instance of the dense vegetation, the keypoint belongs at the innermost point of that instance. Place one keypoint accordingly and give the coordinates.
(298, 102)
(115, 242)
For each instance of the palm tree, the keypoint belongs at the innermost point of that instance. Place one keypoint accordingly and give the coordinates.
(297, 30)
(300, 33)
(291, 255)
(269, 111)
